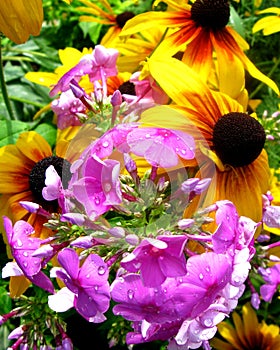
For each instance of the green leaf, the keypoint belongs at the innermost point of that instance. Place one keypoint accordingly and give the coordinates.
(10, 130)
(48, 132)
(236, 22)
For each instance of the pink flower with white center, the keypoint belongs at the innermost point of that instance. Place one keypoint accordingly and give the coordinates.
(161, 147)
(98, 65)
(66, 107)
(88, 283)
(157, 259)
(99, 188)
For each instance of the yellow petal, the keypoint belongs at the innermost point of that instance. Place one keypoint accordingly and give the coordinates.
(18, 285)
(229, 333)
(42, 78)
(19, 19)
(34, 146)
(148, 20)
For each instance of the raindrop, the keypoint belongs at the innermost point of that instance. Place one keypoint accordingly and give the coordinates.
(101, 270)
(148, 136)
(105, 144)
(183, 151)
(201, 276)
(25, 254)
(96, 287)
(130, 294)
(25, 264)
(19, 243)
(90, 298)
(207, 268)
(88, 275)
(97, 201)
(208, 322)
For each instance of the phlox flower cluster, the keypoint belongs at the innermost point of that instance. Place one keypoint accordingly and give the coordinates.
(121, 236)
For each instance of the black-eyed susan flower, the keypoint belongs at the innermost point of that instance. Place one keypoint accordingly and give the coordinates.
(19, 19)
(201, 32)
(22, 174)
(106, 16)
(268, 24)
(225, 135)
(247, 333)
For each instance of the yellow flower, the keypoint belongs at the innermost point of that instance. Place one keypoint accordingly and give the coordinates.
(19, 19)
(224, 133)
(247, 333)
(200, 31)
(269, 24)
(107, 17)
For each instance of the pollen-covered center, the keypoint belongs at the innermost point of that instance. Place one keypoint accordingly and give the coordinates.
(213, 14)
(123, 18)
(127, 88)
(238, 139)
(37, 175)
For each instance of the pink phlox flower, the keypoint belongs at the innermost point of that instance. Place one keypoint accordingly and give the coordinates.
(32, 207)
(233, 232)
(271, 276)
(54, 188)
(207, 275)
(66, 108)
(271, 216)
(137, 302)
(161, 147)
(22, 247)
(89, 283)
(115, 138)
(157, 259)
(99, 188)
(225, 234)
(98, 65)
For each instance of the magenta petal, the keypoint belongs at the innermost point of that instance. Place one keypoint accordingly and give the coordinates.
(151, 273)
(267, 291)
(42, 281)
(173, 266)
(69, 260)
(94, 271)
(85, 305)
(8, 228)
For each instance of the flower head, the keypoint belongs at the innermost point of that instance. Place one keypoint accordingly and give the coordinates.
(157, 259)
(88, 283)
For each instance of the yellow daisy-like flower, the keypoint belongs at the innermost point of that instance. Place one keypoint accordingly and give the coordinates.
(225, 135)
(201, 31)
(107, 17)
(19, 19)
(269, 24)
(247, 333)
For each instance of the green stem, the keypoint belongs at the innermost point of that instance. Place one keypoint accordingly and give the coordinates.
(4, 87)
(257, 89)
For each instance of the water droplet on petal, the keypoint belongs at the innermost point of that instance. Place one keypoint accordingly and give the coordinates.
(148, 136)
(105, 144)
(201, 276)
(25, 254)
(208, 322)
(25, 264)
(19, 243)
(130, 294)
(101, 270)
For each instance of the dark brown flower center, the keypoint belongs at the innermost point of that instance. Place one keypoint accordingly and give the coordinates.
(212, 14)
(37, 176)
(238, 139)
(127, 88)
(122, 18)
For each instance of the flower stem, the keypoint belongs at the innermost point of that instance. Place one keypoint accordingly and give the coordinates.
(4, 87)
